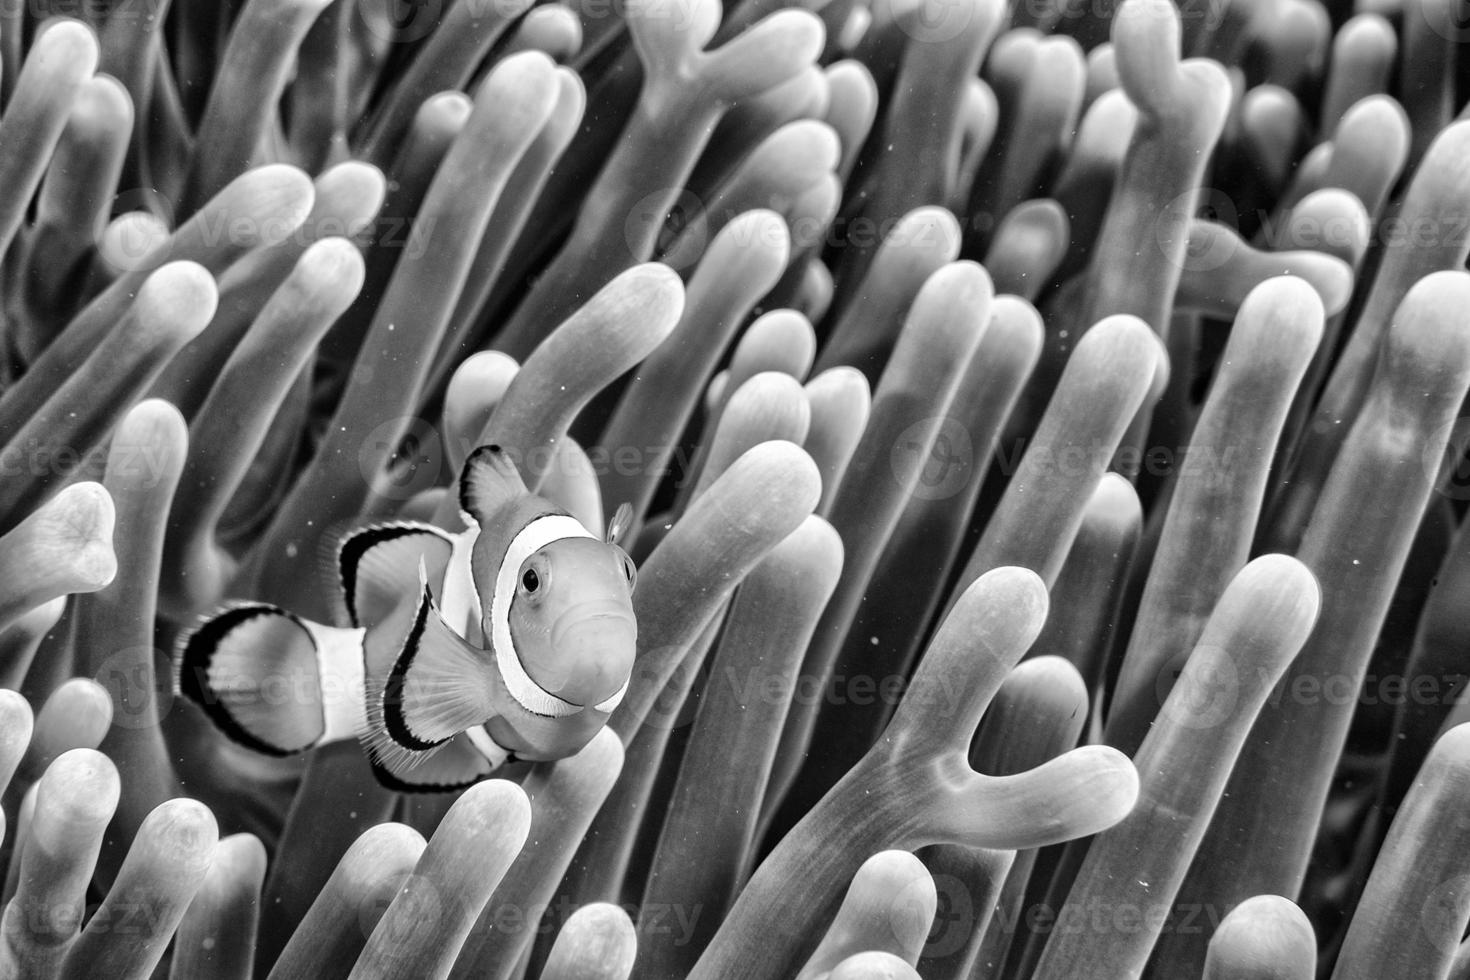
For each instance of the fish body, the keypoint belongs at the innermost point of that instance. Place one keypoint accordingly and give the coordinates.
(510, 640)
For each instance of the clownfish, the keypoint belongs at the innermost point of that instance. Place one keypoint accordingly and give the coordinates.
(511, 640)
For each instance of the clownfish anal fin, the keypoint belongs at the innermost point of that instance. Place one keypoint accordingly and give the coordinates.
(452, 766)
(489, 480)
(622, 520)
(236, 663)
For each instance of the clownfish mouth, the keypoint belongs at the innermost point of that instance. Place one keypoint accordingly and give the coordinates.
(604, 613)
(594, 644)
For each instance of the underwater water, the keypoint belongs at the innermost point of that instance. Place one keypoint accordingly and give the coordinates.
(957, 489)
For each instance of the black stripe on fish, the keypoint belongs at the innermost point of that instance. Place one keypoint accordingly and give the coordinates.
(393, 717)
(388, 780)
(191, 672)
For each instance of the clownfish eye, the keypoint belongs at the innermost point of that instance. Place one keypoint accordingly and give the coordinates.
(530, 581)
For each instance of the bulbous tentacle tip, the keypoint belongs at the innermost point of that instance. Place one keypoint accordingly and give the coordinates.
(656, 287)
(1330, 220)
(153, 419)
(1020, 590)
(760, 234)
(1453, 748)
(1263, 936)
(16, 720)
(497, 803)
(669, 34)
(86, 511)
(890, 872)
(181, 295)
(1077, 794)
(273, 188)
(1115, 501)
(1146, 45)
(1106, 128)
(772, 52)
(183, 830)
(335, 260)
(102, 102)
(70, 538)
(1282, 578)
(130, 242)
(379, 850)
(779, 459)
(888, 909)
(1268, 908)
(77, 716)
(1447, 161)
(1427, 339)
(1439, 290)
(362, 184)
(69, 42)
(1041, 216)
(524, 69)
(598, 942)
(1289, 298)
(1123, 340)
(1206, 89)
(1104, 773)
(926, 224)
(873, 965)
(242, 854)
(82, 782)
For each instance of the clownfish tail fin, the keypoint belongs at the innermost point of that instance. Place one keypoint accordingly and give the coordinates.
(255, 671)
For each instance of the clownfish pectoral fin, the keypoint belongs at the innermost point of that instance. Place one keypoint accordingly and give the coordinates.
(489, 480)
(435, 686)
(270, 680)
(451, 766)
(622, 520)
(377, 566)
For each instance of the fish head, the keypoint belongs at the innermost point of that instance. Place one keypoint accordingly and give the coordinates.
(571, 619)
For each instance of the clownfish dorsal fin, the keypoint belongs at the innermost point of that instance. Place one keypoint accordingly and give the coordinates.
(488, 482)
(375, 566)
(622, 520)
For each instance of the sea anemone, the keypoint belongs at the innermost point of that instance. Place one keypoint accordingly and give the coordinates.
(1040, 425)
